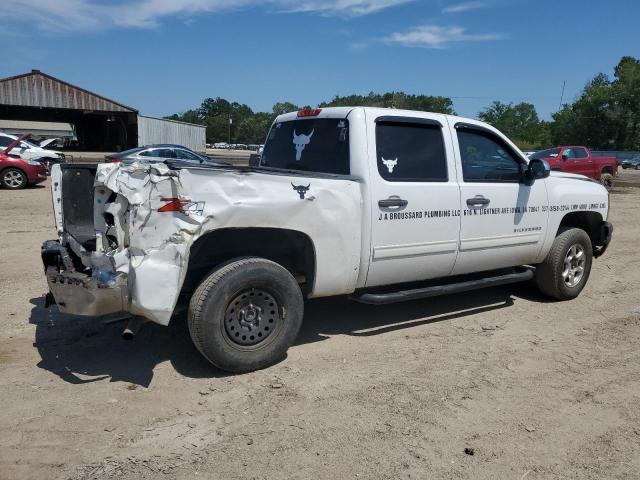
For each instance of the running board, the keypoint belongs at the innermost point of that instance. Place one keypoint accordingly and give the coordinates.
(435, 291)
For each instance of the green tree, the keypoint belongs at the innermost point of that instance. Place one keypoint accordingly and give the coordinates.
(284, 107)
(591, 120)
(189, 116)
(425, 103)
(519, 122)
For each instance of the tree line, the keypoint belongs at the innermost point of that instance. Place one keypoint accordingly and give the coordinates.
(604, 116)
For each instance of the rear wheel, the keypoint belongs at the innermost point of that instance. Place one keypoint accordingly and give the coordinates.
(565, 271)
(13, 178)
(246, 314)
(606, 179)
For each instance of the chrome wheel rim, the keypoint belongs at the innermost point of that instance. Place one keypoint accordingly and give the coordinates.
(574, 265)
(13, 179)
(252, 317)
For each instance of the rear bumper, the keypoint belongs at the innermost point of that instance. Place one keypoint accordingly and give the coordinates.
(604, 238)
(78, 293)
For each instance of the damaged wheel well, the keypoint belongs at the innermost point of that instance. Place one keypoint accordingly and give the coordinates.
(289, 248)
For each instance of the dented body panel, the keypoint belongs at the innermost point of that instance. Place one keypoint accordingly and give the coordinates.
(150, 248)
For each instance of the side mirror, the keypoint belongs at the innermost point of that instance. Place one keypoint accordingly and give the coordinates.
(537, 169)
(564, 156)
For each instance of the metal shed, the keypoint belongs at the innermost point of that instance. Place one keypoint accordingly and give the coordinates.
(100, 124)
(160, 130)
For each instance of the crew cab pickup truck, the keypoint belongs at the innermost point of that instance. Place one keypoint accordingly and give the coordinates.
(364, 202)
(580, 160)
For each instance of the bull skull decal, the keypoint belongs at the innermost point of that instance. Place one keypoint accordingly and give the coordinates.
(301, 189)
(390, 164)
(301, 141)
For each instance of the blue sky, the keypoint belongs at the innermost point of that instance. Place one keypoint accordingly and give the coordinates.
(166, 56)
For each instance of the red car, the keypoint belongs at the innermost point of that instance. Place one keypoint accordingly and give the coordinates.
(572, 159)
(17, 173)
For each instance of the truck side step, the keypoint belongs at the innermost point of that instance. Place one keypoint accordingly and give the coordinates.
(437, 290)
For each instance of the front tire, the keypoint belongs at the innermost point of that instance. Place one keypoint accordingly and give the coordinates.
(13, 179)
(565, 271)
(246, 314)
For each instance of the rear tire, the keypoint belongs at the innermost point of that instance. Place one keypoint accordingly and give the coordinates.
(13, 178)
(606, 179)
(246, 314)
(565, 271)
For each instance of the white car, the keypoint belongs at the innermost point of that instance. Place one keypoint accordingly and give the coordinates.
(346, 201)
(29, 150)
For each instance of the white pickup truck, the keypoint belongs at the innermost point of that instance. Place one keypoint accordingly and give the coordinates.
(359, 201)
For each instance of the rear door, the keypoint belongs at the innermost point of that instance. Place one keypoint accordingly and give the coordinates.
(504, 221)
(415, 220)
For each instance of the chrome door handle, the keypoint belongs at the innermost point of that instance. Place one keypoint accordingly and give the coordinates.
(478, 201)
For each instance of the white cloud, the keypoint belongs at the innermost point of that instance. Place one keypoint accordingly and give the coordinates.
(100, 14)
(465, 7)
(433, 36)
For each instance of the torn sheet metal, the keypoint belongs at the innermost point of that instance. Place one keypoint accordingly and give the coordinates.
(140, 238)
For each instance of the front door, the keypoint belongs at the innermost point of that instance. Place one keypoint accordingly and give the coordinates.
(504, 221)
(416, 200)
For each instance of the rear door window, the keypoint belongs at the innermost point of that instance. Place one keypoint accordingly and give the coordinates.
(314, 145)
(186, 155)
(580, 153)
(408, 152)
(159, 153)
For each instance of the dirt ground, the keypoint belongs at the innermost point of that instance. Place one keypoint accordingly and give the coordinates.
(538, 390)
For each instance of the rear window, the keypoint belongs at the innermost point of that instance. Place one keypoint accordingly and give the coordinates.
(315, 145)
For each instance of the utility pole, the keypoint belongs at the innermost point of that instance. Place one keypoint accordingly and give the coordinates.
(564, 84)
(230, 122)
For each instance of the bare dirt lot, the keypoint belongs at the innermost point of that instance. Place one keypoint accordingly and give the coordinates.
(537, 389)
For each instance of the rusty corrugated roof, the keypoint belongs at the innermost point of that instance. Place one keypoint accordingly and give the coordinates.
(37, 89)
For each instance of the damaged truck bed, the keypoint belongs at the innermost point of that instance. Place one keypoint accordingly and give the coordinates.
(127, 232)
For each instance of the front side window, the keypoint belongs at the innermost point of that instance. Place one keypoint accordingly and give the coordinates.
(311, 145)
(487, 159)
(5, 141)
(408, 152)
(568, 153)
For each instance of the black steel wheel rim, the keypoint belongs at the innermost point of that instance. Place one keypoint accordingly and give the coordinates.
(251, 317)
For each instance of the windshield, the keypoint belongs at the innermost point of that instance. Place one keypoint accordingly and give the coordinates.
(314, 145)
(551, 152)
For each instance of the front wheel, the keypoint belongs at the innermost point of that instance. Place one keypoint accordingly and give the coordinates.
(13, 179)
(246, 314)
(565, 271)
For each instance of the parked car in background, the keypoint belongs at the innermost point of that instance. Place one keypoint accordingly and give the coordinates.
(29, 150)
(17, 172)
(631, 163)
(157, 152)
(578, 159)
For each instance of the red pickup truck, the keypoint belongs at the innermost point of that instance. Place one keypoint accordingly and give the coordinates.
(574, 159)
